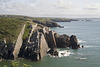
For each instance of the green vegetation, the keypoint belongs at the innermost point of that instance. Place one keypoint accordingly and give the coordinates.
(39, 19)
(10, 29)
(11, 25)
(17, 64)
(26, 18)
(26, 32)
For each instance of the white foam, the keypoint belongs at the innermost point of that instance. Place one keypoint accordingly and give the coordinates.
(82, 58)
(83, 55)
(79, 58)
(89, 46)
(64, 53)
(66, 27)
(81, 41)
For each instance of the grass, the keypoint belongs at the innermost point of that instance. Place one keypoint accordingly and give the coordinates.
(17, 64)
(11, 25)
(10, 29)
(27, 30)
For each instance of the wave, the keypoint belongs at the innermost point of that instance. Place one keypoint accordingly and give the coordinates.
(66, 27)
(83, 55)
(81, 41)
(63, 53)
(89, 46)
(80, 58)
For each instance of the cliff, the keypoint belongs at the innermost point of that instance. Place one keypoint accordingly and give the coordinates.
(18, 43)
(31, 40)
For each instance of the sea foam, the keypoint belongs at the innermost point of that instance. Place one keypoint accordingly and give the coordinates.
(64, 53)
(80, 58)
(81, 41)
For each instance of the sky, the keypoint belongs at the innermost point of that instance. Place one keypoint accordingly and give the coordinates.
(52, 8)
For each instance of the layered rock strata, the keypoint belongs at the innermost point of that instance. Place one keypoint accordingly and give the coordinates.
(40, 41)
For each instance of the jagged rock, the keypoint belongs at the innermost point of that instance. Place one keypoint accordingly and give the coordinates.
(48, 23)
(6, 50)
(18, 43)
(43, 46)
(53, 52)
(82, 46)
(74, 42)
(62, 41)
(61, 27)
(2, 45)
(36, 49)
(36, 45)
(51, 39)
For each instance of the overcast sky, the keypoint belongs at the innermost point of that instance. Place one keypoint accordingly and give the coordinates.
(52, 8)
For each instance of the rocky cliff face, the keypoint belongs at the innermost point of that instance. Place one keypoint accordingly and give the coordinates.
(18, 43)
(11, 50)
(6, 51)
(37, 45)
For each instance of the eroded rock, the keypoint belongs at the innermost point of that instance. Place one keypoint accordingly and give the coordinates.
(74, 42)
(36, 49)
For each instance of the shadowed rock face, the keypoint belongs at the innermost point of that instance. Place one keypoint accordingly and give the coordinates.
(6, 51)
(36, 48)
(62, 41)
(51, 39)
(18, 43)
(11, 50)
(48, 23)
(74, 42)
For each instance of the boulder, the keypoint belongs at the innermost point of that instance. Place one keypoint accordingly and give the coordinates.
(51, 39)
(2, 45)
(6, 50)
(53, 52)
(63, 41)
(74, 42)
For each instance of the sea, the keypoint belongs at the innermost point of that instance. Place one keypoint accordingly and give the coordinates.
(88, 35)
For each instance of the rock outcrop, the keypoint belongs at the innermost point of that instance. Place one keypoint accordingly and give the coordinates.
(6, 51)
(36, 47)
(18, 43)
(11, 50)
(47, 23)
(40, 41)
(74, 42)
(51, 39)
(63, 41)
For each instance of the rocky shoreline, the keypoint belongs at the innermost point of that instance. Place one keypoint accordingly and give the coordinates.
(40, 41)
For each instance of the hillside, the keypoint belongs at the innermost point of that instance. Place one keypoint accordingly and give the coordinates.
(46, 21)
(10, 28)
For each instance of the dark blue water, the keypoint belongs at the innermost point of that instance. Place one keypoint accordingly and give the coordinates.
(88, 34)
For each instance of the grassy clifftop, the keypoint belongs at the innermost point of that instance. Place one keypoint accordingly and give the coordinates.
(46, 21)
(39, 18)
(10, 29)
(11, 25)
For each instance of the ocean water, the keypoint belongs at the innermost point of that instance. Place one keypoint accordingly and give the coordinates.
(88, 34)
